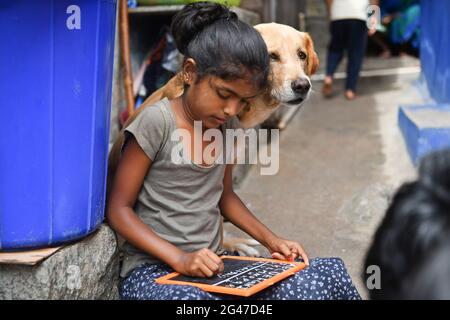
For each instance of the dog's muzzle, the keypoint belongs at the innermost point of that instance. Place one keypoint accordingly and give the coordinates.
(301, 88)
(296, 101)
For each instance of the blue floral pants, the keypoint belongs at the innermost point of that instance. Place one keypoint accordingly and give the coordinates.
(324, 279)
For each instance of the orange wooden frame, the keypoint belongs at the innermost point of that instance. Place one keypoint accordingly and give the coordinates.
(167, 279)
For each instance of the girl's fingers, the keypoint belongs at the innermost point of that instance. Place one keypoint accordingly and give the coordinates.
(290, 250)
(278, 256)
(211, 264)
(197, 272)
(205, 270)
(216, 259)
(302, 253)
(294, 252)
(285, 250)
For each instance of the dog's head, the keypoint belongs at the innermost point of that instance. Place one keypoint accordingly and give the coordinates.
(292, 61)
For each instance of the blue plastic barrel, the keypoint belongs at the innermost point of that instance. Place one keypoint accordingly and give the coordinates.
(435, 48)
(56, 65)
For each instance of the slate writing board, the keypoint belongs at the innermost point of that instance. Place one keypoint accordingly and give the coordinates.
(242, 276)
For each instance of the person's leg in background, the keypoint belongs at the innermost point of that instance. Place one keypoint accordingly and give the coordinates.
(335, 53)
(357, 44)
(379, 39)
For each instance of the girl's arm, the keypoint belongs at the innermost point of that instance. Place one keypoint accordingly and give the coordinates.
(131, 171)
(235, 210)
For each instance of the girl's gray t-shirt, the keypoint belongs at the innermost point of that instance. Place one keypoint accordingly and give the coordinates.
(179, 202)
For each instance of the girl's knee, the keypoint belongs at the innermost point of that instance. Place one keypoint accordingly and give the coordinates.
(333, 262)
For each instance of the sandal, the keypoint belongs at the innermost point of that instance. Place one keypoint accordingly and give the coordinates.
(327, 90)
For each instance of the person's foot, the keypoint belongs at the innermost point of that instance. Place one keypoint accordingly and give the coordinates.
(386, 54)
(349, 95)
(327, 89)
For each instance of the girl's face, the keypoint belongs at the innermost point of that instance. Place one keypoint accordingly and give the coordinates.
(213, 100)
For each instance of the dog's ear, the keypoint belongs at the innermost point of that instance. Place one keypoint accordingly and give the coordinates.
(313, 60)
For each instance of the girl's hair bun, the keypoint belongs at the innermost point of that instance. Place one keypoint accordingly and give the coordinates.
(194, 17)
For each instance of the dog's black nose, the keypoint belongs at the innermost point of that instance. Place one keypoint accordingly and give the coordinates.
(301, 85)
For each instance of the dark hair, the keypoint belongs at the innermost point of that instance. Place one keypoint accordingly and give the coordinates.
(220, 43)
(416, 222)
(431, 280)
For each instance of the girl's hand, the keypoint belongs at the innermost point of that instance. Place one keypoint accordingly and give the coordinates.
(387, 19)
(283, 249)
(201, 263)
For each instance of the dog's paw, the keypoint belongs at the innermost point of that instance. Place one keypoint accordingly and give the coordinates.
(245, 247)
(246, 250)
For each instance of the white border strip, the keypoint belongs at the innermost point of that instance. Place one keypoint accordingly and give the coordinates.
(372, 73)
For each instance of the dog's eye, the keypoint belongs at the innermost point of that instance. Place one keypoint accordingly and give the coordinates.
(302, 55)
(274, 57)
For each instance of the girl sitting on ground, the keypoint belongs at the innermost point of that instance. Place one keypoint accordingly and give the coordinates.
(170, 214)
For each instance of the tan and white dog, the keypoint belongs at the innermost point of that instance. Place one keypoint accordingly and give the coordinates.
(292, 61)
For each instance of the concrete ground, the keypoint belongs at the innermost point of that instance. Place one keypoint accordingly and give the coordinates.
(339, 163)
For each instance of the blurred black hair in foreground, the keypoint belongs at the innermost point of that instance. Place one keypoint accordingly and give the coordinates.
(412, 244)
